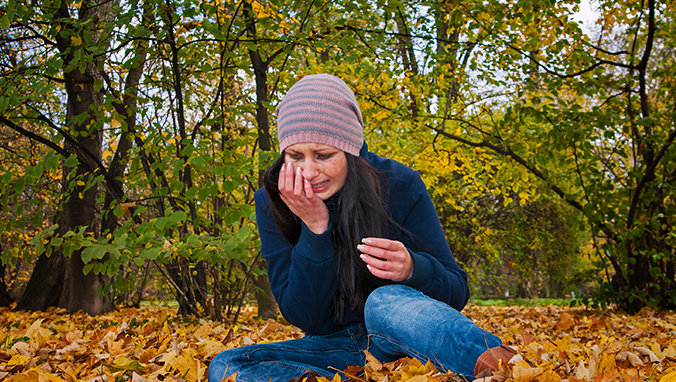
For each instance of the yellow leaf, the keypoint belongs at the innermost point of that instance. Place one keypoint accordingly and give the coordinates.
(671, 377)
(51, 377)
(29, 376)
(419, 378)
(670, 353)
(549, 376)
(202, 331)
(658, 352)
(123, 363)
(187, 365)
(34, 328)
(607, 363)
(582, 372)
(525, 374)
(75, 40)
(17, 360)
(566, 322)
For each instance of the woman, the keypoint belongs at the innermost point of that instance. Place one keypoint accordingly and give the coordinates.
(356, 255)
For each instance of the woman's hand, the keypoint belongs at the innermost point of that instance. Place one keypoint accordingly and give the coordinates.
(297, 193)
(386, 259)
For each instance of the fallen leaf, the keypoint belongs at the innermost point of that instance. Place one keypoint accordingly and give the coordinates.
(647, 352)
(632, 358)
(566, 322)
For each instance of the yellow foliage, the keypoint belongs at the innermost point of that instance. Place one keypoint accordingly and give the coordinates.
(671, 377)
(578, 345)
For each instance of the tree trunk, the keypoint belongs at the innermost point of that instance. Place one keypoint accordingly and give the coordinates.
(58, 280)
(6, 298)
(267, 307)
(45, 284)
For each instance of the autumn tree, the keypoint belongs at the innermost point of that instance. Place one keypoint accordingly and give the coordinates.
(176, 101)
(585, 119)
(134, 140)
(589, 115)
(60, 44)
(413, 85)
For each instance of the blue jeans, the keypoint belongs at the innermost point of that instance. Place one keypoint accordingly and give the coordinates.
(400, 320)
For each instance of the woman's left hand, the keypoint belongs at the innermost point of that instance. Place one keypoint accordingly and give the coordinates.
(386, 259)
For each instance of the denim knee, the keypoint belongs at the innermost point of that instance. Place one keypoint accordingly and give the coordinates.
(382, 300)
(386, 295)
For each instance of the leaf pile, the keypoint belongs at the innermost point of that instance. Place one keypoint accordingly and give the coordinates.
(153, 344)
(149, 344)
(577, 344)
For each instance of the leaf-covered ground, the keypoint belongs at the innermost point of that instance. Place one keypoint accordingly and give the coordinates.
(153, 344)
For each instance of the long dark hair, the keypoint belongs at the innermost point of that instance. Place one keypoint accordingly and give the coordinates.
(360, 213)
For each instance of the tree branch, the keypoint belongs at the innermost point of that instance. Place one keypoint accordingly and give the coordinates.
(512, 155)
(34, 136)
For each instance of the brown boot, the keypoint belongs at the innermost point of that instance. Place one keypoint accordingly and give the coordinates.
(489, 361)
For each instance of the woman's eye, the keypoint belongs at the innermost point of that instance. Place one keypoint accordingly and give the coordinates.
(295, 156)
(324, 156)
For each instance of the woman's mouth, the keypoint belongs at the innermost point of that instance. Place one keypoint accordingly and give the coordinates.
(319, 186)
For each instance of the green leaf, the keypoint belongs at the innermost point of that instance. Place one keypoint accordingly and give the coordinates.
(161, 222)
(150, 253)
(87, 254)
(100, 252)
(67, 250)
(71, 161)
(51, 161)
(197, 161)
(187, 150)
(88, 268)
(177, 216)
(5, 22)
(19, 185)
(190, 194)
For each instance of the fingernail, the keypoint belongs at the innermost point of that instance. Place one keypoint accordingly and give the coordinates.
(366, 241)
(361, 247)
(362, 257)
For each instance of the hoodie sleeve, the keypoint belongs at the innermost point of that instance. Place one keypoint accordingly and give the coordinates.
(302, 277)
(435, 271)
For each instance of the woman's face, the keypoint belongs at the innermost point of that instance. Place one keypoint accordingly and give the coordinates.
(325, 167)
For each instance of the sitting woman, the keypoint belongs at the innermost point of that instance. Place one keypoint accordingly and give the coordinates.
(356, 254)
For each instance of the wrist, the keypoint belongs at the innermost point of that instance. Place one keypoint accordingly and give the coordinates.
(318, 228)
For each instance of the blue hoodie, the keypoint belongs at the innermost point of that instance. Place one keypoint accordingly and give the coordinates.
(303, 276)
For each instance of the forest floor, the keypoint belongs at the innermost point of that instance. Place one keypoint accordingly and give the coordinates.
(153, 344)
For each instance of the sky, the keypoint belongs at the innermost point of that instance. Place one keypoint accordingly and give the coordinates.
(587, 15)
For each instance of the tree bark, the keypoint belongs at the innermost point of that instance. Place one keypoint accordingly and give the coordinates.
(6, 299)
(45, 284)
(57, 280)
(267, 306)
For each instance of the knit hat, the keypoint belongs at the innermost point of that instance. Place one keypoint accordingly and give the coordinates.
(320, 108)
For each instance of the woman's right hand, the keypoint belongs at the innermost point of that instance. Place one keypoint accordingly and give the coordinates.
(296, 192)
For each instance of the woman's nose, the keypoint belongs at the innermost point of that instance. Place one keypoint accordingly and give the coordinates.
(310, 170)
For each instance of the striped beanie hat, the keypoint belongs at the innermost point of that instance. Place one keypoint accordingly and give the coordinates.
(320, 108)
